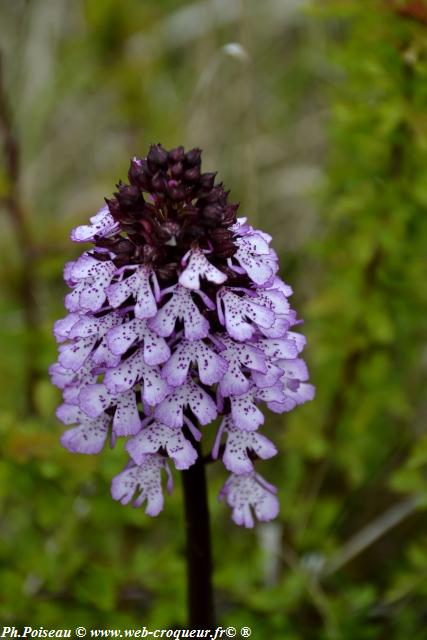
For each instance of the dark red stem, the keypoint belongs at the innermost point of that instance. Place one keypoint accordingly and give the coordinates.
(201, 613)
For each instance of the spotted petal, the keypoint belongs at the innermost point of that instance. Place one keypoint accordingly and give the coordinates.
(275, 299)
(145, 481)
(211, 366)
(267, 378)
(276, 348)
(83, 335)
(73, 354)
(155, 349)
(156, 436)
(88, 436)
(171, 410)
(92, 278)
(239, 356)
(295, 389)
(245, 412)
(95, 399)
(62, 328)
(103, 357)
(198, 266)
(181, 306)
(254, 255)
(126, 420)
(237, 313)
(250, 495)
(236, 458)
(103, 224)
(138, 285)
(72, 381)
(132, 370)
(294, 368)
(88, 325)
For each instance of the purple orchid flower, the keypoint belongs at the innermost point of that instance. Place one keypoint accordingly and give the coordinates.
(177, 316)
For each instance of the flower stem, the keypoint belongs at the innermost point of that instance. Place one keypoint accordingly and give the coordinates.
(201, 613)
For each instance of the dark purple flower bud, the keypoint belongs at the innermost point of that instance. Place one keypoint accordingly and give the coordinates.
(145, 169)
(177, 192)
(176, 155)
(193, 157)
(213, 212)
(177, 170)
(223, 242)
(128, 197)
(159, 183)
(151, 253)
(157, 157)
(207, 181)
(135, 171)
(172, 229)
(124, 247)
(217, 194)
(195, 230)
(229, 215)
(167, 271)
(188, 211)
(143, 180)
(113, 207)
(192, 175)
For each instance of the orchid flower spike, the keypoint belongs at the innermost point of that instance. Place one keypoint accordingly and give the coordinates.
(176, 315)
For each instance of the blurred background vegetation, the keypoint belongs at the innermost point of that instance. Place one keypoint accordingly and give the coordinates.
(315, 114)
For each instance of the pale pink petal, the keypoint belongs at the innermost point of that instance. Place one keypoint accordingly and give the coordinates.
(254, 255)
(156, 436)
(132, 370)
(144, 481)
(241, 358)
(94, 399)
(103, 224)
(92, 278)
(197, 267)
(171, 410)
(211, 366)
(245, 413)
(249, 496)
(278, 348)
(72, 381)
(93, 295)
(294, 368)
(181, 306)
(269, 378)
(88, 436)
(126, 421)
(73, 354)
(236, 457)
(235, 311)
(121, 338)
(138, 285)
(103, 357)
(62, 328)
(295, 393)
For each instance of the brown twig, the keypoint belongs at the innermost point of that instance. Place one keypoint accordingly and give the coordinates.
(11, 203)
(372, 532)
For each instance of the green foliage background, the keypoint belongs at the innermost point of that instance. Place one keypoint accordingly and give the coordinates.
(317, 122)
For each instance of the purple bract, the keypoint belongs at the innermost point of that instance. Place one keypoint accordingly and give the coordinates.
(176, 317)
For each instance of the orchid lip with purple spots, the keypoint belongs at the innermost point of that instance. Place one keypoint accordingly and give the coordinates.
(177, 316)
